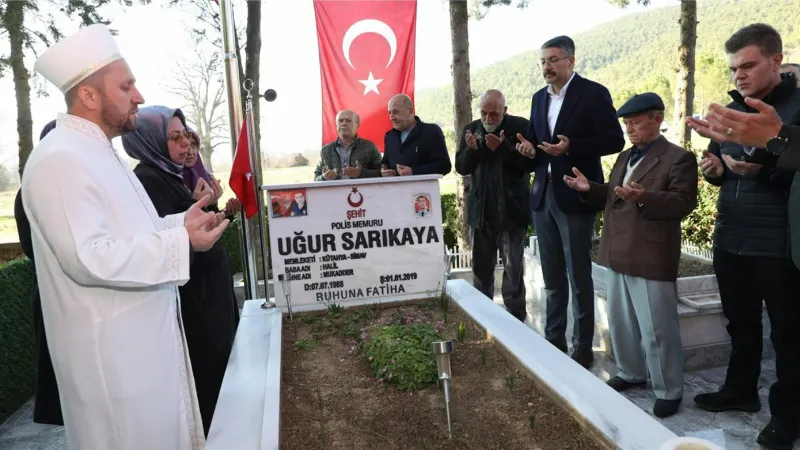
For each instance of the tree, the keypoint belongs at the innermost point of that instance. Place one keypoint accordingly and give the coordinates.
(462, 106)
(462, 93)
(30, 34)
(199, 82)
(684, 94)
(299, 160)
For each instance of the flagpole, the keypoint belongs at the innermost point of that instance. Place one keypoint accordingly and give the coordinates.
(235, 115)
(254, 150)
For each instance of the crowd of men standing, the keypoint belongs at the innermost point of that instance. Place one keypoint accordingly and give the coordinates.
(652, 187)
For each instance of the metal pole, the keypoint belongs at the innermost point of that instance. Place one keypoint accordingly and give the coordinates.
(255, 150)
(235, 116)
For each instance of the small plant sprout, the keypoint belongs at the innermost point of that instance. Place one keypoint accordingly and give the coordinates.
(483, 357)
(510, 380)
(461, 331)
(444, 304)
(532, 421)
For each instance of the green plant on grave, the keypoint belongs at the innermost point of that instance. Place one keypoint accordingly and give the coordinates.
(335, 310)
(444, 304)
(303, 344)
(402, 355)
(461, 331)
(483, 357)
(510, 381)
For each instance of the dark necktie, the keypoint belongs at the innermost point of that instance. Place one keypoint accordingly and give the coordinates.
(636, 155)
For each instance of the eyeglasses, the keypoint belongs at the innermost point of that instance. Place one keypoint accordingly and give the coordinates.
(550, 62)
(178, 135)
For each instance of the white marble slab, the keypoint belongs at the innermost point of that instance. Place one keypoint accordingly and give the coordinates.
(247, 416)
(612, 414)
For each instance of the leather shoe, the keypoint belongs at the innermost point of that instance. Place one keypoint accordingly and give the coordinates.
(583, 356)
(665, 408)
(619, 385)
(779, 434)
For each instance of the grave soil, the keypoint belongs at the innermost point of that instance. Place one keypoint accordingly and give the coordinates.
(330, 398)
(687, 267)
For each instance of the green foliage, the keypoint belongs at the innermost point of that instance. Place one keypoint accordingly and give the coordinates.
(402, 355)
(449, 220)
(232, 242)
(630, 55)
(17, 368)
(698, 228)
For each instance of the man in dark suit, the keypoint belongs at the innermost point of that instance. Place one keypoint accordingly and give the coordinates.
(652, 187)
(573, 123)
(497, 203)
(47, 403)
(412, 147)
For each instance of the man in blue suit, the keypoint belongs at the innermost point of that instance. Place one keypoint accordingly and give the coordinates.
(573, 123)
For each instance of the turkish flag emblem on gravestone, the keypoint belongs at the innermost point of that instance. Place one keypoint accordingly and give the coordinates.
(366, 55)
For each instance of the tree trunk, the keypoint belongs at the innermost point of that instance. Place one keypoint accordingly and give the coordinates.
(684, 100)
(205, 152)
(22, 88)
(462, 107)
(252, 51)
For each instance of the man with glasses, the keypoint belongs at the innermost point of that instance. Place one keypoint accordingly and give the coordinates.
(573, 123)
(497, 204)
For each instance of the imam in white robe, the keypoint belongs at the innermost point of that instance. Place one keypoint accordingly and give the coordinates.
(109, 269)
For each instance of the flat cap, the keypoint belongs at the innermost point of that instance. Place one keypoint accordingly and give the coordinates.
(639, 103)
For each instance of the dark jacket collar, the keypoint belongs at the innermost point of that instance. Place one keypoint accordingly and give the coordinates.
(779, 93)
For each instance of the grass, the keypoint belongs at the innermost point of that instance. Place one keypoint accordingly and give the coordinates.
(289, 175)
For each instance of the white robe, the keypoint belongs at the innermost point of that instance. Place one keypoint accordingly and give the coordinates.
(109, 269)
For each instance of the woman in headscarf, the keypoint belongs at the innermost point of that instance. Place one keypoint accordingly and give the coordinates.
(208, 307)
(47, 404)
(194, 170)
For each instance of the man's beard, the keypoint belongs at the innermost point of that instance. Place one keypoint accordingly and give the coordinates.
(490, 128)
(117, 121)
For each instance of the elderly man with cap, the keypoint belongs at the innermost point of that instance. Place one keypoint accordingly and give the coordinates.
(652, 187)
(108, 266)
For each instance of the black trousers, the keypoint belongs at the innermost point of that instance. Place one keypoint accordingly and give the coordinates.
(511, 243)
(47, 403)
(744, 281)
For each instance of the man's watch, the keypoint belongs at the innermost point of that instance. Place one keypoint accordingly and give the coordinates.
(778, 144)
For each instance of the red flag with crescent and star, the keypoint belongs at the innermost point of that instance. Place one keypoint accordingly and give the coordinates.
(366, 56)
(241, 181)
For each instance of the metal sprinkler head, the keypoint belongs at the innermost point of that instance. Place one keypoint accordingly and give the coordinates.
(442, 351)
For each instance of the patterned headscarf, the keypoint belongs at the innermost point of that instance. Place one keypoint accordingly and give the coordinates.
(148, 144)
(191, 175)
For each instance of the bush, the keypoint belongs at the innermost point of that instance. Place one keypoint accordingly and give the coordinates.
(402, 355)
(17, 367)
(698, 227)
(299, 160)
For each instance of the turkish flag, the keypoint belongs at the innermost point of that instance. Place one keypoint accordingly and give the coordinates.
(366, 56)
(242, 182)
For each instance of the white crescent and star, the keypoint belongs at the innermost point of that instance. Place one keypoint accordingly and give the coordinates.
(369, 26)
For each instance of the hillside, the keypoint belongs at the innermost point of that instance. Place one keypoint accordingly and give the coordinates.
(633, 54)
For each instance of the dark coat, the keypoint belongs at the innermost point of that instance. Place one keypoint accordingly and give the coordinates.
(645, 241)
(424, 150)
(588, 119)
(209, 311)
(47, 404)
(508, 166)
(753, 211)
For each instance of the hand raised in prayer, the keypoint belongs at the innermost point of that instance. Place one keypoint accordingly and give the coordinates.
(328, 174)
(217, 188)
(204, 228)
(724, 124)
(353, 172)
(233, 207)
(579, 183)
(525, 148)
(631, 192)
(387, 172)
(556, 149)
(711, 165)
(493, 141)
(404, 170)
(471, 141)
(202, 189)
(741, 168)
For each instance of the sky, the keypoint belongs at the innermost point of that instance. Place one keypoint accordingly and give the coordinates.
(290, 58)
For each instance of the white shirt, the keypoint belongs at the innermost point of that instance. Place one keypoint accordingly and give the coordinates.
(556, 100)
(108, 269)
